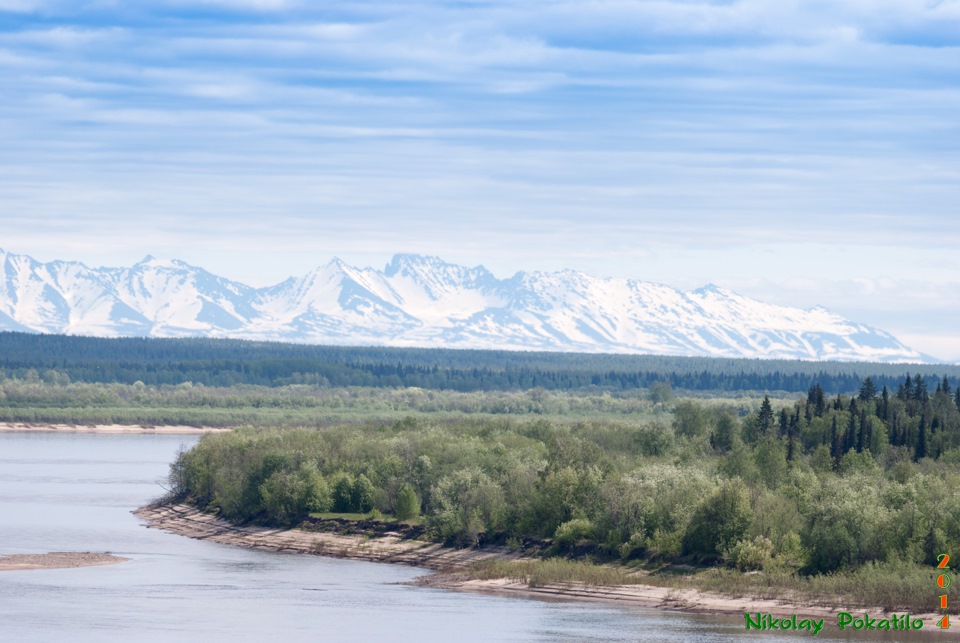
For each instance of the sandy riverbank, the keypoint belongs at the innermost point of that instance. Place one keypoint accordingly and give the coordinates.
(391, 547)
(57, 560)
(449, 563)
(7, 427)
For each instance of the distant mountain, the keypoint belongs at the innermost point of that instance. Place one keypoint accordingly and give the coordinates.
(424, 301)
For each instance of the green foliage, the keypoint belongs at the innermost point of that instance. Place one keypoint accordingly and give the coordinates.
(689, 418)
(643, 492)
(770, 457)
(720, 521)
(408, 504)
(726, 433)
(343, 500)
(660, 392)
(747, 555)
(225, 363)
(573, 532)
(466, 504)
(361, 494)
(287, 497)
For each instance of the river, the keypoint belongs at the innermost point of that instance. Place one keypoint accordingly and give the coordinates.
(74, 492)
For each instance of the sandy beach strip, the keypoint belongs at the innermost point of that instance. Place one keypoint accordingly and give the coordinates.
(449, 564)
(57, 560)
(23, 427)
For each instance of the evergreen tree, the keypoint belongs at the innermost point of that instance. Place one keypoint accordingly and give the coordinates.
(792, 431)
(885, 404)
(908, 393)
(836, 448)
(945, 386)
(921, 450)
(765, 416)
(860, 432)
(850, 437)
(815, 398)
(868, 390)
(784, 420)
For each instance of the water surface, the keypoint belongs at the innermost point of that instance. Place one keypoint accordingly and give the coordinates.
(74, 492)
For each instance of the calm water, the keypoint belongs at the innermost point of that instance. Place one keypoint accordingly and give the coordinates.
(75, 492)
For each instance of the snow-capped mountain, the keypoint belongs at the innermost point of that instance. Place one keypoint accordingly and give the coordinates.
(424, 301)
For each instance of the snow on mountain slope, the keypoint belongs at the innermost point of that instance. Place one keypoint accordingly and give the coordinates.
(425, 301)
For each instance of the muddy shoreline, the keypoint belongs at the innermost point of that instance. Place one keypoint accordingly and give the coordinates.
(27, 427)
(448, 564)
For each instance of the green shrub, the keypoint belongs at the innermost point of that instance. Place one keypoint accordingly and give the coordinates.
(573, 532)
(747, 555)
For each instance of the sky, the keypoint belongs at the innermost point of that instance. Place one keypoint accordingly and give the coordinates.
(800, 152)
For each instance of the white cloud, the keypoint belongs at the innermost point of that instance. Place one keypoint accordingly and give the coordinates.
(684, 142)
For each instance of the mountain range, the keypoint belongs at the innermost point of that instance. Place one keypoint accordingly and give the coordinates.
(424, 301)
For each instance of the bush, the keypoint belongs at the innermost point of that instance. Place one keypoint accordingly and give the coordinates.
(748, 555)
(573, 532)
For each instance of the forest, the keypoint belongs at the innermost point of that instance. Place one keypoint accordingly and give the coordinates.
(226, 363)
(834, 481)
(855, 489)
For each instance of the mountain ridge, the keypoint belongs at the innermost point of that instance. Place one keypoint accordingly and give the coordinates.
(419, 300)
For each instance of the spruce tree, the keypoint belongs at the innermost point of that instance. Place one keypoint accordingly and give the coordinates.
(850, 438)
(860, 432)
(765, 416)
(836, 449)
(921, 450)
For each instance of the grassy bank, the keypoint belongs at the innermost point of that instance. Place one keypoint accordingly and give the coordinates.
(894, 586)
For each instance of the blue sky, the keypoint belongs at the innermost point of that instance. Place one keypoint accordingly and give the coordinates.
(802, 152)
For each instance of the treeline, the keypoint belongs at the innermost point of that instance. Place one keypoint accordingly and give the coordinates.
(224, 363)
(292, 406)
(705, 485)
(920, 422)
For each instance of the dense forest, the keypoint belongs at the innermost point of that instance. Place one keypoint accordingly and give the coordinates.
(860, 484)
(224, 363)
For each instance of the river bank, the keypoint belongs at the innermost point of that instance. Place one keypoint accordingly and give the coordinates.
(57, 560)
(450, 565)
(25, 427)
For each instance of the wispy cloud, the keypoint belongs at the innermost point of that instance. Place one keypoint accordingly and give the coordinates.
(659, 139)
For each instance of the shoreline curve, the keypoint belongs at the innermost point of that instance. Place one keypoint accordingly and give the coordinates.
(448, 565)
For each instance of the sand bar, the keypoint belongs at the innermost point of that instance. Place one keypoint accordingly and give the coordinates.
(58, 560)
(9, 427)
